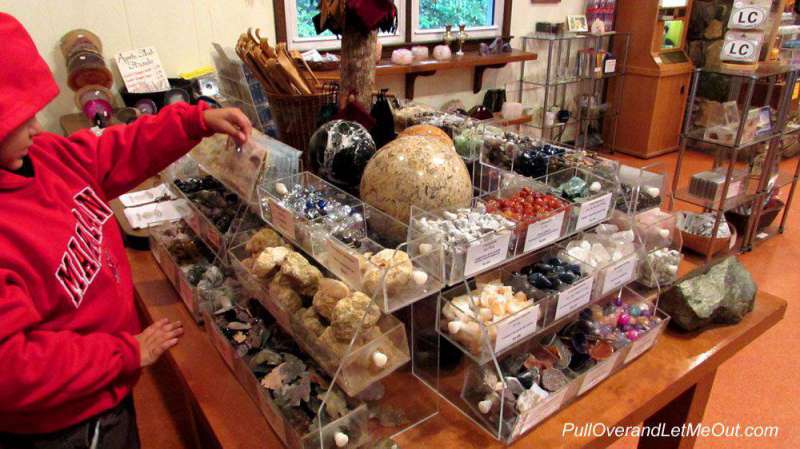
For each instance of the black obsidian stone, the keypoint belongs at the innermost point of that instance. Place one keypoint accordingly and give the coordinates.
(339, 152)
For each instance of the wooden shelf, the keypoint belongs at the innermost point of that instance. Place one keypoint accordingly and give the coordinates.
(429, 67)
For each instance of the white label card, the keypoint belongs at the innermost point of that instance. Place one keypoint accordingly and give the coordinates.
(343, 262)
(142, 217)
(516, 328)
(145, 196)
(611, 66)
(538, 414)
(282, 219)
(642, 344)
(574, 298)
(598, 373)
(619, 274)
(487, 253)
(141, 70)
(593, 211)
(544, 232)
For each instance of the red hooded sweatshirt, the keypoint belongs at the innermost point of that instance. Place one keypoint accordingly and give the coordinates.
(67, 315)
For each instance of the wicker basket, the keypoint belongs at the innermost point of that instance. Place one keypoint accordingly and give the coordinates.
(296, 117)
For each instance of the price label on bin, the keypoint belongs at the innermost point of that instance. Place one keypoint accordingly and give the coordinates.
(282, 219)
(574, 298)
(642, 344)
(516, 327)
(619, 274)
(547, 407)
(486, 253)
(598, 373)
(343, 262)
(544, 232)
(594, 211)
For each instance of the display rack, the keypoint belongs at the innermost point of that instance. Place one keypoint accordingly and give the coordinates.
(753, 110)
(575, 63)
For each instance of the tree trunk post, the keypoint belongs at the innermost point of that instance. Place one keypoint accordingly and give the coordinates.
(358, 65)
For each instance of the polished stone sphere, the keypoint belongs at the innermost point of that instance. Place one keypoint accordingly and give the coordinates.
(419, 171)
(339, 151)
(427, 131)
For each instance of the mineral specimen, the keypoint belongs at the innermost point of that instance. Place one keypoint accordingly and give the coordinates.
(352, 312)
(329, 293)
(723, 295)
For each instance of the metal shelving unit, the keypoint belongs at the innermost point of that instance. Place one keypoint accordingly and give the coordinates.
(742, 89)
(563, 73)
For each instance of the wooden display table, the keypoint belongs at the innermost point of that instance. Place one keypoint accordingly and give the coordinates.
(671, 383)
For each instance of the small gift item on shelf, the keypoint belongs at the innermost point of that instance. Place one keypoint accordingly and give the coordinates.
(420, 52)
(83, 52)
(416, 170)
(96, 104)
(708, 184)
(339, 152)
(442, 53)
(696, 231)
(402, 56)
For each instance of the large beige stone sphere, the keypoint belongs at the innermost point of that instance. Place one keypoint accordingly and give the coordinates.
(419, 171)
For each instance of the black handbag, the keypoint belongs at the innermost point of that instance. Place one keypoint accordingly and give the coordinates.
(494, 99)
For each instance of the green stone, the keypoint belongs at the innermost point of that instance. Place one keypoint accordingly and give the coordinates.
(722, 295)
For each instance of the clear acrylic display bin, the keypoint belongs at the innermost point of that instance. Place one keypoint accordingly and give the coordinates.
(663, 242)
(592, 209)
(355, 363)
(491, 393)
(482, 327)
(175, 273)
(465, 259)
(308, 233)
(641, 188)
(353, 424)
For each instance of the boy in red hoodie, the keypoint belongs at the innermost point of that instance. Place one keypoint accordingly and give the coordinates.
(71, 347)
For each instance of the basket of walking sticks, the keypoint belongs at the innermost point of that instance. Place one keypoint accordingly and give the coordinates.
(295, 94)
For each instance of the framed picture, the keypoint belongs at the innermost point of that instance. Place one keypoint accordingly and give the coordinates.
(577, 24)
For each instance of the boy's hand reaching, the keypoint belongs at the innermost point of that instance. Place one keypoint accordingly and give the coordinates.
(157, 339)
(230, 121)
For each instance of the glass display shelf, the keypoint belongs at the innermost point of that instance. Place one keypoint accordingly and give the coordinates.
(684, 195)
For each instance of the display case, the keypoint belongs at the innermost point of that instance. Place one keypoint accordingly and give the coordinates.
(510, 394)
(663, 243)
(592, 195)
(641, 188)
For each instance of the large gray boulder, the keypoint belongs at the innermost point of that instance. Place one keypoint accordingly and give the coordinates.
(723, 295)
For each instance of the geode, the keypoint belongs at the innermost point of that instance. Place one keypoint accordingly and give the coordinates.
(723, 295)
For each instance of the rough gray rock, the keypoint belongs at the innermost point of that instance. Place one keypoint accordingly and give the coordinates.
(723, 295)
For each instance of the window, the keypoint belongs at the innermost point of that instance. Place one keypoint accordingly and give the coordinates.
(483, 18)
(301, 35)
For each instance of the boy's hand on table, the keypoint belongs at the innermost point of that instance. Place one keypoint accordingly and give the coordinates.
(230, 121)
(157, 339)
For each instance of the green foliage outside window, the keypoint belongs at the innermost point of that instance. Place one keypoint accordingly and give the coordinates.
(438, 13)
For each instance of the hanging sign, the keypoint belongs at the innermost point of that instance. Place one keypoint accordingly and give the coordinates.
(749, 14)
(742, 46)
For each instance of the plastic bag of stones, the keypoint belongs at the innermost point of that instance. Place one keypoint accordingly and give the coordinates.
(527, 377)
(319, 209)
(470, 316)
(459, 229)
